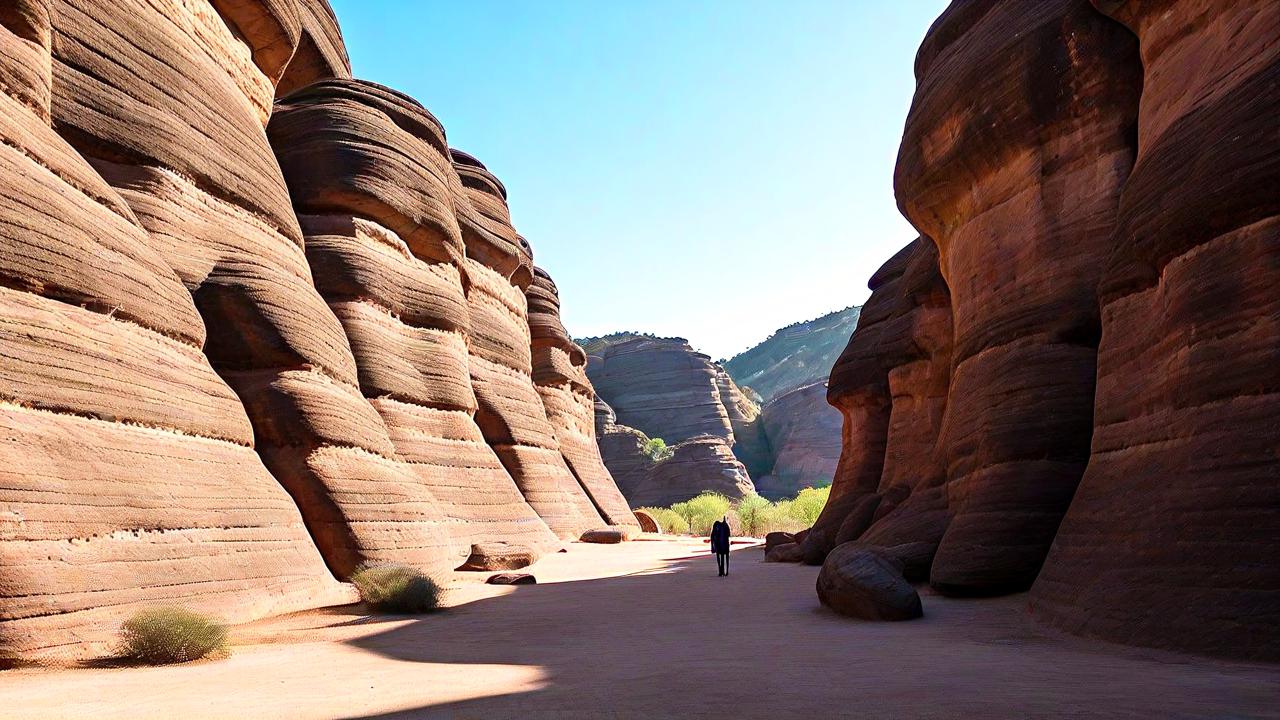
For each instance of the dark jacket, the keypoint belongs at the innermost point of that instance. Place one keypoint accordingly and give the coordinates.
(720, 537)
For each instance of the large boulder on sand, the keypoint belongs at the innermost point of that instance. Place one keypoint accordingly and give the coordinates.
(774, 539)
(498, 556)
(865, 582)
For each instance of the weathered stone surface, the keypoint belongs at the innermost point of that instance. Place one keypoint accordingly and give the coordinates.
(696, 465)
(789, 552)
(1171, 540)
(512, 579)
(559, 372)
(1018, 190)
(777, 538)
(647, 523)
(128, 463)
(661, 387)
(795, 356)
(802, 432)
(606, 536)
(511, 414)
(865, 583)
(487, 556)
(321, 54)
(360, 160)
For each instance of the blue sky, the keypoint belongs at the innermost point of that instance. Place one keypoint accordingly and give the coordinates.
(708, 169)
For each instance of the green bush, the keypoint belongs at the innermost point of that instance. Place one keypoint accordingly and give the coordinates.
(670, 521)
(656, 449)
(809, 503)
(396, 589)
(703, 510)
(167, 635)
(749, 513)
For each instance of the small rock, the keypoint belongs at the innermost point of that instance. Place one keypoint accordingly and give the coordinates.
(865, 582)
(605, 536)
(512, 579)
(786, 552)
(498, 556)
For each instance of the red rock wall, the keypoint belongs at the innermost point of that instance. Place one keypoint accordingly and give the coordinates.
(559, 372)
(128, 463)
(1063, 215)
(1171, 539)
(511, 414)
(1016, 146)
(802, 433)
(160, 321)
(370, 178)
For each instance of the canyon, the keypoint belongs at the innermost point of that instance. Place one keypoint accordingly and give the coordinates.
(1066, 386)
(261, 326)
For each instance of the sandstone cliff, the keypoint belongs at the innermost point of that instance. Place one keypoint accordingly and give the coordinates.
(187, 367)
(1070, 380)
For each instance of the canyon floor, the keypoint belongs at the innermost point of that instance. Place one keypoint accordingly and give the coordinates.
(647, 630)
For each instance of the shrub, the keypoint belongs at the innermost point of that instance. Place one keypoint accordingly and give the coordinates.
(166, 635)
(703, 510)
(748, 512)
(809, 503)
(396, 589)
(669, 520)
(656, 449)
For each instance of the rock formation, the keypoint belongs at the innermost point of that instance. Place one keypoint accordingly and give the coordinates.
(1171, 539)
(795, 356)
(172, 357)
(1089, 323)
(661, 387)
(369, 175)
(801, 434)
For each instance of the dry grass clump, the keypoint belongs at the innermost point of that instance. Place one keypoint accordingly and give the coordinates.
(752, 515)
(667, 519)
(396, 589)
(167, 635)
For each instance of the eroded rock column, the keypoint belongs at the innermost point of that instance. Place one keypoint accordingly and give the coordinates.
(1018, 141)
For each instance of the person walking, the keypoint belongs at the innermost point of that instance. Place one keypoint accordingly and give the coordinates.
(720, 544)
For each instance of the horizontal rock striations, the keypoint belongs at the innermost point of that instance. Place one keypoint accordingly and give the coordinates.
(175, 346)
(130, 468)
(1172, 537)
(559, 372)
(802, 436)
(795, 356)
(370, 179)
(1070, 380)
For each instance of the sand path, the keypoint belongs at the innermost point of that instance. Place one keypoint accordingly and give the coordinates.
(643, 630)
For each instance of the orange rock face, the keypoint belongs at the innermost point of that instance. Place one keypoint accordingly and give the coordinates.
(1096, 330)
(1171, 538)
(370, 178)
(129, 464)
(174, 348)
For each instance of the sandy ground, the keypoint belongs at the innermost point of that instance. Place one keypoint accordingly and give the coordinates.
(647, 630)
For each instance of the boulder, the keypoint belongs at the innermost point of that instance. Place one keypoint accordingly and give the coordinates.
(605, 536)
(774, 539)
(512, 579)
(487, 556)
(784, 552)
(867, 583)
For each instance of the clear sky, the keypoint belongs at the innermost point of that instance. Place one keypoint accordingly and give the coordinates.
(708, 169)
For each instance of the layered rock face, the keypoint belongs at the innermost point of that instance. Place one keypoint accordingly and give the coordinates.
(1018, 191)
(1171, 539)
(1109, 311)
(498, 265)
(160, 322)
(559, 372)
(670, 391)
(661, 387)
(370, 177)
(802, 436)
(795, 356)
(129, 462)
